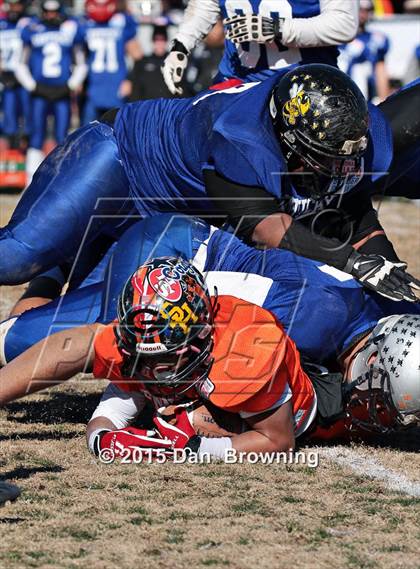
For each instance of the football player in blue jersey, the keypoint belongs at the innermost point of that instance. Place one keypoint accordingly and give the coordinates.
(16, 102)
(364, 58)
(52, 66)
(332, 318)
(110, 37)
(263, 35)
(274, 158)
(321, 308)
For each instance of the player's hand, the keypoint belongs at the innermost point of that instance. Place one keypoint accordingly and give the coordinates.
(181, 433)
(125, 89)
(124, 441)
(252, 27)
(386, 278)
(174, 67)
(52, 92)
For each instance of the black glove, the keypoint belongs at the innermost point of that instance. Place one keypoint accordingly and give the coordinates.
(8, 79)
(384, 277)
(52, 92)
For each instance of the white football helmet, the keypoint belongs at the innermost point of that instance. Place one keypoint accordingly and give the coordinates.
(388, 366)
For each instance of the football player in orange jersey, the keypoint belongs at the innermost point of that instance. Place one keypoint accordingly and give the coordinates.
(173, 343)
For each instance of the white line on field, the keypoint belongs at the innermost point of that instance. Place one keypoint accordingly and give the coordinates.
(367, 466)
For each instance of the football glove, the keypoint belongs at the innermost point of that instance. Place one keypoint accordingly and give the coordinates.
(253, 27)
(384, 277)
(123, 442)
(174, 67)
(52, 92)
(181, 434)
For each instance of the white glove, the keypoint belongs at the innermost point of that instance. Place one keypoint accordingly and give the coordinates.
(174, 67)
(384, 277)
(252, 27)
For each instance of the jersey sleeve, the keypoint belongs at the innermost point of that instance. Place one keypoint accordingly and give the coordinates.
(26, 35)
(107, 357)
(130, 28)
(79, 37)
(120, 407)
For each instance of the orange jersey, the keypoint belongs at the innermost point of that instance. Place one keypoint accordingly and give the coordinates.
(256, 365)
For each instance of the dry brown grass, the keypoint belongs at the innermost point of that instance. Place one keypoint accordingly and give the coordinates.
(75, 512)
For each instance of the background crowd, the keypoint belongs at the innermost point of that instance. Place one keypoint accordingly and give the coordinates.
(63, 64)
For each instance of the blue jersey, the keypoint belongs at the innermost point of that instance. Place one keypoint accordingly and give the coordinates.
(166, 144)
(359, 58)
(106, 57)
(322, 309)
(51, 50)
(11, 43)
(252, 60)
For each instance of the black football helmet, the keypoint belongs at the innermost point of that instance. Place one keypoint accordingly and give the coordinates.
(321, 120)
(165, 325)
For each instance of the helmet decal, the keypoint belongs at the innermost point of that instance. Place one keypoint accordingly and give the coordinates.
(165, 285)
(298, 105)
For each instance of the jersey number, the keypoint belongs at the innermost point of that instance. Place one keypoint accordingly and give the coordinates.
(105, 58)
(51, 63)
(267, 55)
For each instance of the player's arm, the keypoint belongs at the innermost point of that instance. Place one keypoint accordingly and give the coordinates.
(133, 49)
(269, 432)
(383, 89)
(135, 52)
(367, 234)
(23, 73)
(49, 362)
(199, 18)
(260, 218)
(336, 24)
(80, 69)
(382, 81)
(109, 433)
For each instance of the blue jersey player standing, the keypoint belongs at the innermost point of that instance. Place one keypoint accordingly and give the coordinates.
(364, 58)
(15, 99)
(263, 35)
(109, 36)
(52, 66)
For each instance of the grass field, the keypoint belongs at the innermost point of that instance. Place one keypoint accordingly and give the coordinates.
(359, 509)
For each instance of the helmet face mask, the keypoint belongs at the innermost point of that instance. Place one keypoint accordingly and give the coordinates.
(320, 115)
(165, 319)
(385, 371)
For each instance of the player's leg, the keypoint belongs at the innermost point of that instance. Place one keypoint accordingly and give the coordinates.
(26, 110)
(90, 112)
(78, 189)
(10, 112)
(34, 155)
(72, 310)
(62, 114)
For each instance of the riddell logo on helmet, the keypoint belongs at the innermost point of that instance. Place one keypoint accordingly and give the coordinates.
(150, 348)
(166, 287)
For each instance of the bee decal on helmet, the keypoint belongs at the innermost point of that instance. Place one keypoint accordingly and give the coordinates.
(298, 105)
